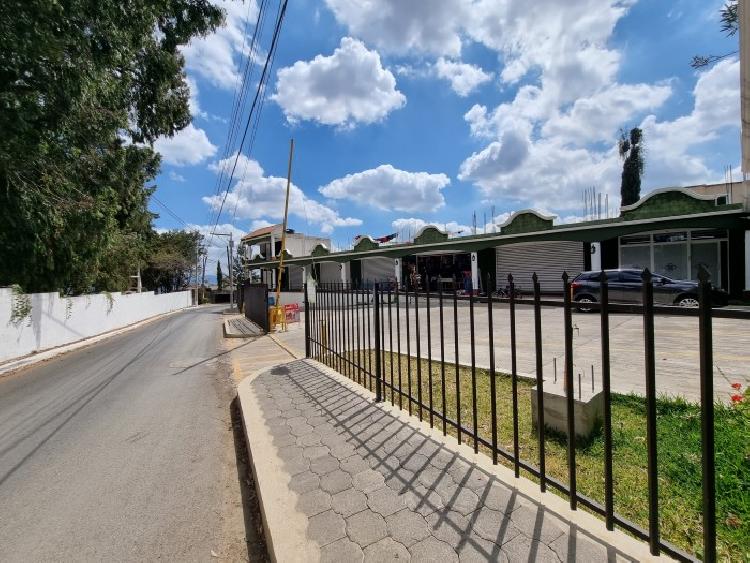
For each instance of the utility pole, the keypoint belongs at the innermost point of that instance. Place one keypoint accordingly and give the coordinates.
(197, 261)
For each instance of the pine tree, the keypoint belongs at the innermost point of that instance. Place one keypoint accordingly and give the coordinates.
(631, 151)
(219, 277)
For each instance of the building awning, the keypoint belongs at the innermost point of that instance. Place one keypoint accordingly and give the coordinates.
(260, 235)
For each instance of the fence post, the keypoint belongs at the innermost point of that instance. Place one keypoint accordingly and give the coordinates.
(378, 365)
(652, 473)
(570, 400)
(307, 323)
(707, 417)
(609, 509)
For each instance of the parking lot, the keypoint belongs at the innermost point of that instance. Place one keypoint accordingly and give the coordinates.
(677, 355)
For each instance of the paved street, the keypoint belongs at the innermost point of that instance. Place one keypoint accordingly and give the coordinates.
(123, 450)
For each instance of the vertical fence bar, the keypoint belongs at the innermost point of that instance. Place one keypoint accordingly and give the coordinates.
(390, 339)
(514, 373)
(569, 392)
(382, 342)
(398, 346)
(376, 330)
(360, 325)
(344, 331)
(429, 353)
(609, 502)
(539, 382)
(457, 374)
(369, 336)
(340, 338)
(442, 358)
(352, 328)
(493, 383)
(707, 417)
(418, 336)
(307, 321)
(408, 352)
(475, 425)
(653, 480)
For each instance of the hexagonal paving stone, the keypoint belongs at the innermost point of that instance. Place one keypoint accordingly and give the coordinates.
(431, 550)
(365, 527)
(314, 502)
(463, 501)
(349, 502)
(312, 439)
(341, 550)
(422, 500)
(289, 452)
(401, 480)
(304, 482)
(354, 464)
(494, 526)
(385, 551)
(478, 550)
(535, 522)
(326, 527)
(385, 501)
(324, 464)
(431, 476)
(522, 548)
(449, 526)
(295, 466)
(342, 450)
(407, 527)
(499, 497)
(476, 479)
(285, 440)
(302, 429)
(413, 462)
(368, 481)
(313, 452)
(335, 481)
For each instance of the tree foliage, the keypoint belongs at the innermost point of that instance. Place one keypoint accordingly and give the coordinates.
(85, 87)
(171, 260)
(219, 277)
(730, 25)
(631, 151)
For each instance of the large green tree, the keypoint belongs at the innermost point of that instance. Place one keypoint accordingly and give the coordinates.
(85, 87)
(171, 260)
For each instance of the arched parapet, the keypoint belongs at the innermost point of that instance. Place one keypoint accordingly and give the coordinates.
(429, 234)
(525, 221)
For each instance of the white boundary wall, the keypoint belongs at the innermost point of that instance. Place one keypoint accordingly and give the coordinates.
(55, 320)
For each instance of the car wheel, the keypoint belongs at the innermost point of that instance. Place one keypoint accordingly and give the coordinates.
(688, 301)
(582, 301)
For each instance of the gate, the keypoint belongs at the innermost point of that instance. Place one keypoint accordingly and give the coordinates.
(255, 301)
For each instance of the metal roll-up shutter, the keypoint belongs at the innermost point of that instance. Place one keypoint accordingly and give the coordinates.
(377, 269)
(548, 259)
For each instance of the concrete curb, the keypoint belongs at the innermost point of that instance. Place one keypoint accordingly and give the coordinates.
(284, 527)
(11, 366)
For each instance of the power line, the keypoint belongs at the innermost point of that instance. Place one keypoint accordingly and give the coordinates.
(259, 90)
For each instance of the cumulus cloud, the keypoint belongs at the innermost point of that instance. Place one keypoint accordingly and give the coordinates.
(175, 177)
(188, 147)
(257, 196)
(464, 78)
(390, 189)
(408, 227)
(215, 56)
(348, 87)
(403, 27)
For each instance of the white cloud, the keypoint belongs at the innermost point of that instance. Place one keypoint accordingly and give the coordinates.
(408, 227)
(214, 57)
(193, 103)
(464, 78)
(259, 224)
(188, 147)
(403, 27)
(216, 246)
(257, 196)
(348, 87)
(175, 177)
(389, 188)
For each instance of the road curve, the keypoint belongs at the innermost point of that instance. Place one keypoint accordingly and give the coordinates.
(122, 450)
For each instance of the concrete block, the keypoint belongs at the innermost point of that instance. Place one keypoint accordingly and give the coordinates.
(588, 410)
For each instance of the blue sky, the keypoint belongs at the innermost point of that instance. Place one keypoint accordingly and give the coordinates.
(406, 113)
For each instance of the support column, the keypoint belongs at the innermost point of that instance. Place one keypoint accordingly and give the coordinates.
(474, 272)
(397, 272)
(342, 268)
(747, 260)
(596, 256)
(273, 279)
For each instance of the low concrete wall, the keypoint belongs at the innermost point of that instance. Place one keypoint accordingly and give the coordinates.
(54, 320)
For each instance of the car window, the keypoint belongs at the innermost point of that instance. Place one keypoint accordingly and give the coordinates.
(630, 277)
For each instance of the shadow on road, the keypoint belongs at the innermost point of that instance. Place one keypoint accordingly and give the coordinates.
(256, 543)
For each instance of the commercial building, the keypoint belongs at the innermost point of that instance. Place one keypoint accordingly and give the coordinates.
(671, 231)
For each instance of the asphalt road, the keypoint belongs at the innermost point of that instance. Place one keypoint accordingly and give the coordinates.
(123, 450)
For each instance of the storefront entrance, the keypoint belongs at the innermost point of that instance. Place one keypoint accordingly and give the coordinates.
(435, 272)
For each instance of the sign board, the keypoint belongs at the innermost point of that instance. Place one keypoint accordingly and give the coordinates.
(292, 312)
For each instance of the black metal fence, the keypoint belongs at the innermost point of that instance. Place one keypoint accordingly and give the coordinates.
(349, 328)
(255, 302)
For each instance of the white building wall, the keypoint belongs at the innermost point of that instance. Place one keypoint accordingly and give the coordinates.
(55, 320)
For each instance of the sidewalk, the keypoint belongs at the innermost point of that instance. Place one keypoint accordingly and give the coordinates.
(341, 478)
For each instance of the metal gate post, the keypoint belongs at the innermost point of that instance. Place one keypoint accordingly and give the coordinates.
(307, 323)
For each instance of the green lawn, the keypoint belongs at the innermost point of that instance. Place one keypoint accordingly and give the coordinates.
(678, 434)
